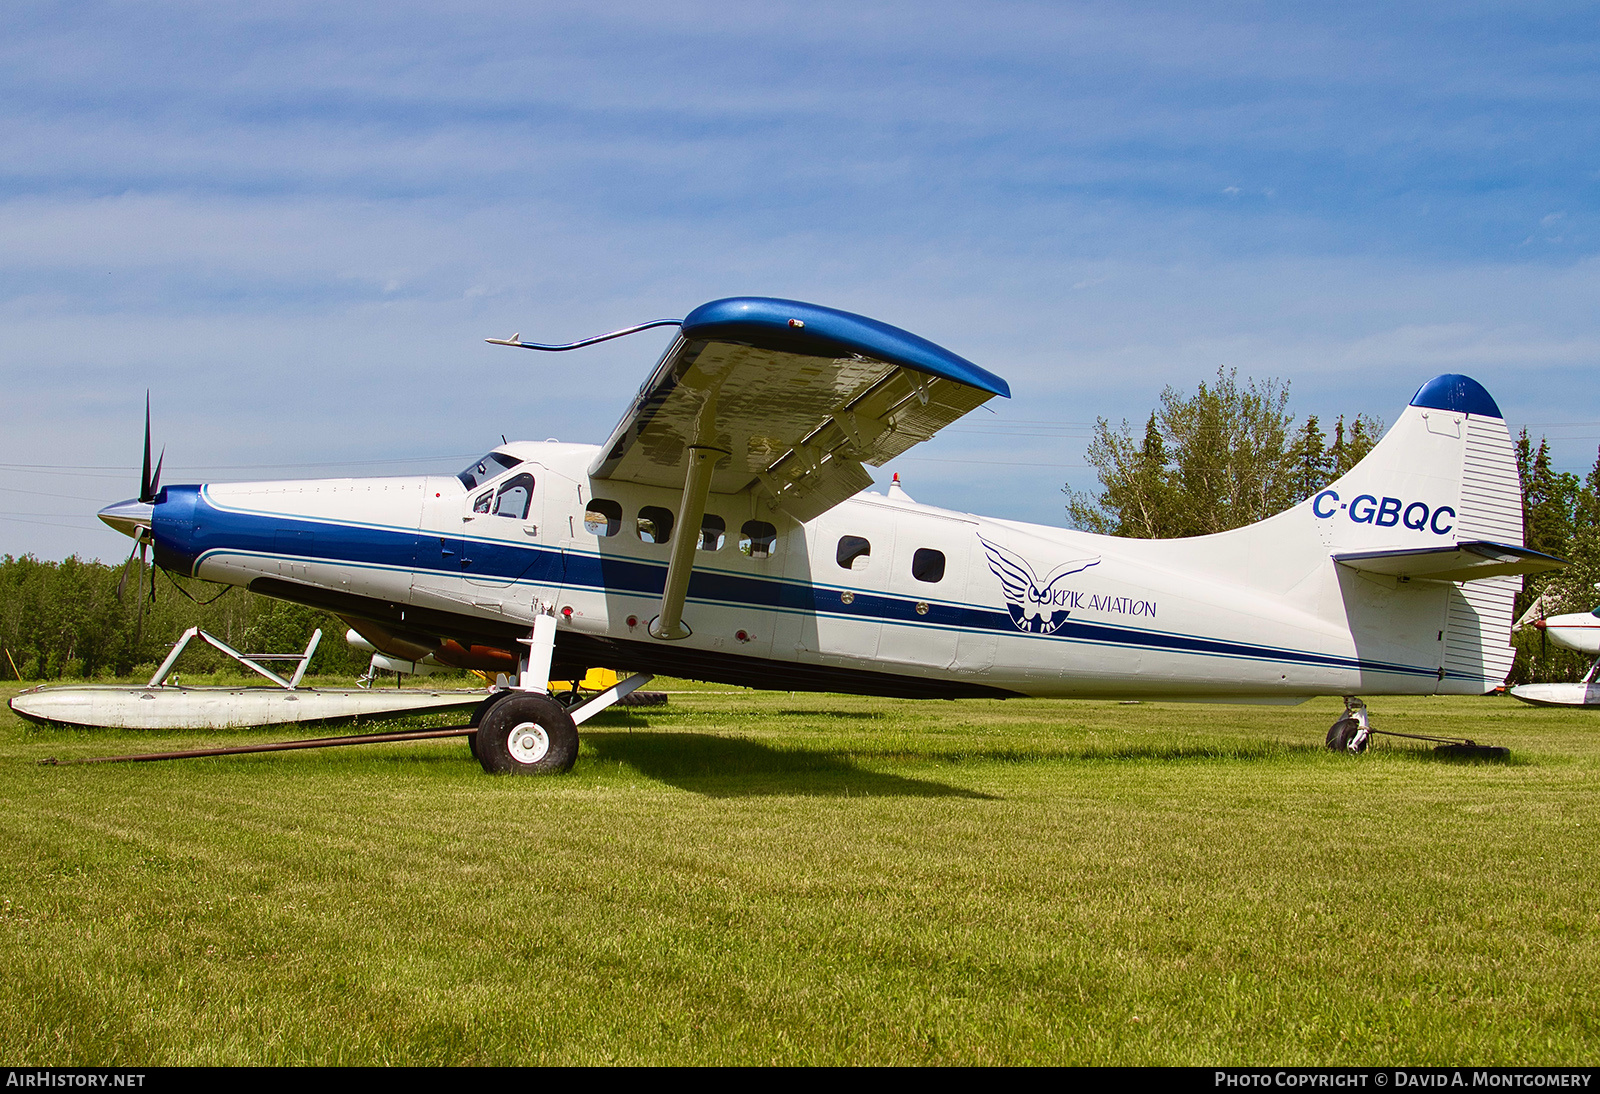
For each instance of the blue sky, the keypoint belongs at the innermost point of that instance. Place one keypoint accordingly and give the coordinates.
(296, 226)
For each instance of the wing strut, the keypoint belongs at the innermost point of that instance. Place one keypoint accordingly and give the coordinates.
(703, 453)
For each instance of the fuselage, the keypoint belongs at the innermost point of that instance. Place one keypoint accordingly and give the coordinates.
(879, 595)
(1576, 631)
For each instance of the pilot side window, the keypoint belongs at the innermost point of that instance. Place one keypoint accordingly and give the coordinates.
(481, 503)
(602, 518)
(757, 538)
(853, 553)
(514, 498)
(655, 524)
(713, 532)
(927, 565)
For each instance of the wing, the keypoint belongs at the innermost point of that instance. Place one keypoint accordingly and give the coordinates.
(790, 399)
(1016, 576)
(1067, 568)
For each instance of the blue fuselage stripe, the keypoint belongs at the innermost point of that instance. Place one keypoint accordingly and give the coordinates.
(193, 528)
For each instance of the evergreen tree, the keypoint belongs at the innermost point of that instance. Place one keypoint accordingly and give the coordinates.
(1310, 458)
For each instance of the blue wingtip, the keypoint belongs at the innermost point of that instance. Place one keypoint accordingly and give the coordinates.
(811, 327)
(1452, 391)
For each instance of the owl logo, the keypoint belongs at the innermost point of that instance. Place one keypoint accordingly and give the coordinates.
(1035, 607)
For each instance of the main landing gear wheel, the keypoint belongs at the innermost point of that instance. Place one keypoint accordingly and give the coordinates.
(526, 734)
(477, 719)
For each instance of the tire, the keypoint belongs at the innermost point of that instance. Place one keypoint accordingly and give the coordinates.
(526, 734)
(1346, 736)
(477, 718)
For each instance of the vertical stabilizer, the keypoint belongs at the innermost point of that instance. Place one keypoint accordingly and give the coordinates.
(1446, 474)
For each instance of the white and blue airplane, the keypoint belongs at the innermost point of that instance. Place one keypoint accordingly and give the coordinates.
(724, 532)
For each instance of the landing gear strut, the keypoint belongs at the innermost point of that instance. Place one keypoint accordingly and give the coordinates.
(521, 729)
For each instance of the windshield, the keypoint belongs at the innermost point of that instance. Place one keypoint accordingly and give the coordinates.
(487, 468)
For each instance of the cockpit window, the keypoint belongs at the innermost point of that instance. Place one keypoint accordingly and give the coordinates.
(487, 468)
(513, 497)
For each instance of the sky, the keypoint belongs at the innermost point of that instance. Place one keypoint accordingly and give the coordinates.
(294, 224)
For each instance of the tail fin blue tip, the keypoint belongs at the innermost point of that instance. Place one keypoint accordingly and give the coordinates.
(1462, 394)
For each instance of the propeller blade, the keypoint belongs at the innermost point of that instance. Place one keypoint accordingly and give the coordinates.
(146, 494)
(138, 633)
(122, 582)
(155, 481)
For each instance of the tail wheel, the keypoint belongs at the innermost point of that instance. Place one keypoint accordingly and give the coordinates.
(1348, 735)
(526, 734)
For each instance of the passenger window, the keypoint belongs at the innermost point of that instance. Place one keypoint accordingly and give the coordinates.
(713, 532)
(481, 505)
(514, 497)
(927, 565)
(655, 524)
(757, 538)
(853, 553)
(603, 518)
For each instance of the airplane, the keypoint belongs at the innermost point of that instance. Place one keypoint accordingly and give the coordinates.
(1574, 631)
(724, 532)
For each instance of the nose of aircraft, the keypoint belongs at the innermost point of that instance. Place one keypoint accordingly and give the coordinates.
(129, 517)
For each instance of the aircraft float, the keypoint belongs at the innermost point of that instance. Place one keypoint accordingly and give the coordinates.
(724, 532)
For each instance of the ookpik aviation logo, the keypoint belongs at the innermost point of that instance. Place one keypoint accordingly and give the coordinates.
(1035, 608)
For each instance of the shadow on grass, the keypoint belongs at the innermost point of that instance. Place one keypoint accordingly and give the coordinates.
(729, 767)
(1461, 756)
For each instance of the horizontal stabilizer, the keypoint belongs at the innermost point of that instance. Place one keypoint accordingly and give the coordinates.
(1461, 562)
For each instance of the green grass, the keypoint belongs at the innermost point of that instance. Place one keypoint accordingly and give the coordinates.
(749, 877)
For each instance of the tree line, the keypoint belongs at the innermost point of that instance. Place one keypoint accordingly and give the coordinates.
(1221, 458)
(64, 620)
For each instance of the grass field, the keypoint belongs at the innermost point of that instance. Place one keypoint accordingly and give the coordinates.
(757, 877)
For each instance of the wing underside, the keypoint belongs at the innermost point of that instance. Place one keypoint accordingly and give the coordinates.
(790, 400)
